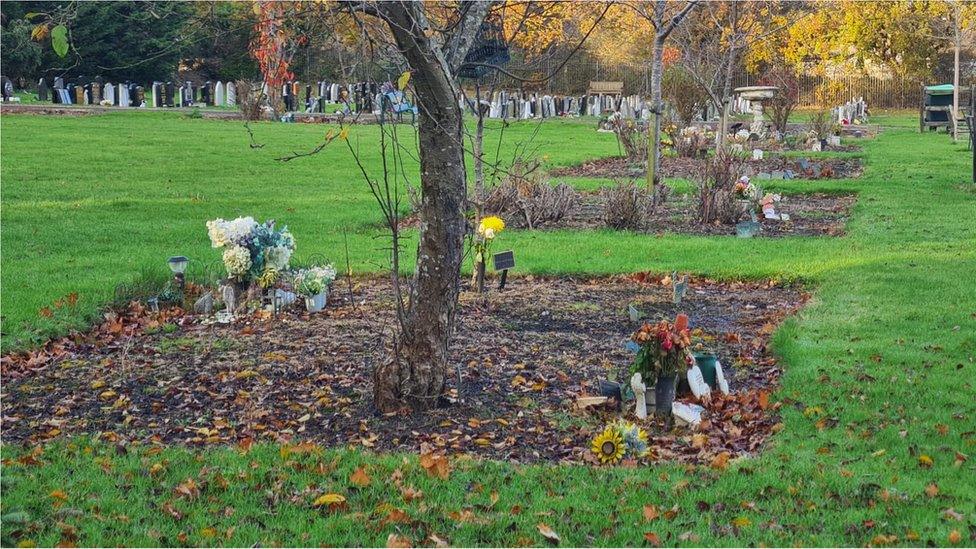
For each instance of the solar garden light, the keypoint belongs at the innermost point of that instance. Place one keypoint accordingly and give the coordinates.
(178, 264)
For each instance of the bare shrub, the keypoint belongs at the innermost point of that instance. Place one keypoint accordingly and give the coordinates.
(631, 135)
(716, 178)
(822, 123)
(525, 197)
(627, 206)
(786, 99)
(250, 100)
(683, 94)
(690, 142)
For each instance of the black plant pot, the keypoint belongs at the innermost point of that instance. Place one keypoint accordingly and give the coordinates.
(664, 389)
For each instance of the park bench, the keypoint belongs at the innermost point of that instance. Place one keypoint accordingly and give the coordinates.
(605, 88)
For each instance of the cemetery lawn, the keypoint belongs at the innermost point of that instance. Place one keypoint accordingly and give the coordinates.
(878, 440)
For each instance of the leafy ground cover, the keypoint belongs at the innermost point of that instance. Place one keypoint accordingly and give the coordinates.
(876, 398)
(522, 360)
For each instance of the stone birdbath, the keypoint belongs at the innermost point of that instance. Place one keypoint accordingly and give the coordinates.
(756, 95)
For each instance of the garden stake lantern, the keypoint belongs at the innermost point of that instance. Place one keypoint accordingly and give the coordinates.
(178, 264)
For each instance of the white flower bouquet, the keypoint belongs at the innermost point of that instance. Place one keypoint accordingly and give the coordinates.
(251, 249)
(314, 280)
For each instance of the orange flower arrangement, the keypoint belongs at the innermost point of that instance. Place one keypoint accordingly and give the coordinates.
(665, 348)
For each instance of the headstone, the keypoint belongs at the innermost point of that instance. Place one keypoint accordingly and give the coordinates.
(140, 97)
(157, 93)
(231, 94)
(778, 175)
(110, 94)
(79, 95)
(96, 92)
(219, 94)
(42, 90)
(204, 305)
(757, 154)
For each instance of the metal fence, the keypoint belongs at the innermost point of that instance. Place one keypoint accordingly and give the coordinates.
(575, 76)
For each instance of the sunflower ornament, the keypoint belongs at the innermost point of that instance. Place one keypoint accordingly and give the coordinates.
(609, 446)
(619, 440)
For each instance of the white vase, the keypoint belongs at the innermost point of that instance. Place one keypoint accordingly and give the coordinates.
(316, 303)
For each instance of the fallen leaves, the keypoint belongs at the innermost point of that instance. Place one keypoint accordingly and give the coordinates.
(721, 461)
(548, 533)
(360, 478)
(652, 539)
(187, 489)
(651, 512)
(925, 461)
(332, 501)
(436, 464)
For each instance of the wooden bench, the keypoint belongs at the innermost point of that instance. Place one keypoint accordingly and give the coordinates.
(605, 88)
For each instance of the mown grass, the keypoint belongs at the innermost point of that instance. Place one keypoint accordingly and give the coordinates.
(876, 399)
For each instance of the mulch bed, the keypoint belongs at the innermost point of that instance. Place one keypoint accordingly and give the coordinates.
(621, 167)
(522, 360)
(810, 215)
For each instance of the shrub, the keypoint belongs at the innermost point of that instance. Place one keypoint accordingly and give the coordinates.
(717, 198)
(627, 206)
(822, 123)
(631, 135)
(786, 99)
(683, 94)
(249, 100)
(526, 198)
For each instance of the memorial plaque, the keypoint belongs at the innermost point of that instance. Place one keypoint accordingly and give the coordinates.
(504, 260)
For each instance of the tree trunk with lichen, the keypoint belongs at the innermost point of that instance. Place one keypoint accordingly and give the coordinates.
(416, 375)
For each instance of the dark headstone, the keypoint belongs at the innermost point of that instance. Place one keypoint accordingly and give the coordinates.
(168, 94)
(42, 90)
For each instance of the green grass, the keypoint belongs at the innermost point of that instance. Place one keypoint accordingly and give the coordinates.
(893, 300)
(93, 202)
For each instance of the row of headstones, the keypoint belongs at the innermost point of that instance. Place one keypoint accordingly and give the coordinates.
(855, 109)
(95, 92)
(168, 94)
(356, 97)
(523, 105)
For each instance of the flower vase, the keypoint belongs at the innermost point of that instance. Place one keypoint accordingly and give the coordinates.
(316, 303)
(664, 390)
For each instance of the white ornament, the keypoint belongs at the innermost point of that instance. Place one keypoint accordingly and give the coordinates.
(697, 382)
(720, 378)
(640, 390)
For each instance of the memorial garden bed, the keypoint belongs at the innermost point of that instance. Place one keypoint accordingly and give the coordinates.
(816, 214)
(676, 167)
(524, 358)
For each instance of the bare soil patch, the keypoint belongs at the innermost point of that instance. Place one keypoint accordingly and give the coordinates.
(518, 365)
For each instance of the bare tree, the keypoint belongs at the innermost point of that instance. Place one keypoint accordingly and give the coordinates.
(415, 375)
(664, 24)
(716, 38)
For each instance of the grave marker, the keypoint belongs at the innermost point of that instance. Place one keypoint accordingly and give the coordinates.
(503, 262)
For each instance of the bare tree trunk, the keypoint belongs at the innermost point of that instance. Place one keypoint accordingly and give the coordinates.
(657, 109)
(417, 374)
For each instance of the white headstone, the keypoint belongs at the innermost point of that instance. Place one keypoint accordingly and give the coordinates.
(110, 93)
(219, 97)
(231, 99)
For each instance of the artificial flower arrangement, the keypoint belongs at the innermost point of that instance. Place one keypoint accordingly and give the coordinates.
(314, 280)
(744, 189)
(488, 229)
(252, 251)
(665, 348)
(619, 440)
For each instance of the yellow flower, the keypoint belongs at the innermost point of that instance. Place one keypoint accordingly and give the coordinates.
(609, 446)
(490, 226)
(344, 134)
